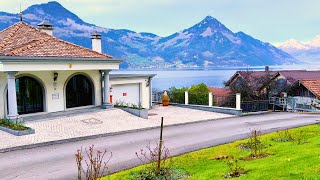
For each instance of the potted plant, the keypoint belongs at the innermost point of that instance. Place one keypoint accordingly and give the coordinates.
(165, 99)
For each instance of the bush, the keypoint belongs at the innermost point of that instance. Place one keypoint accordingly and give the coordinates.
(13, 125)
(154, 169)
(234, 168)
(95, 163)
(177, 95)
(198, 94)
(289, 136)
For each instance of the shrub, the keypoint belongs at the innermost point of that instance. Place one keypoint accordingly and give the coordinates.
(155, 169)
(234, 168)
(198, 94)
(165, 98)
(177, 94)
(95, 163)
(290, 136)
(254, 145)
(4, 122)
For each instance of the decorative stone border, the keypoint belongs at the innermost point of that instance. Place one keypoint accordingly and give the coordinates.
(18, 133)
(143, 113)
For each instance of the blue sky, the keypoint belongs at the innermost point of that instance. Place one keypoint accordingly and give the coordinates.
(268, 20)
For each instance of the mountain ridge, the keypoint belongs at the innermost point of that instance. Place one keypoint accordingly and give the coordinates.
(207, 43)
(308, 52)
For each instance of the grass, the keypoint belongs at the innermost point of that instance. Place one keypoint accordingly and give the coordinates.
(13, 125)
(286, 160)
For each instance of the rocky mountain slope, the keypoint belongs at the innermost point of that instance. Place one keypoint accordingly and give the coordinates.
(208, 43)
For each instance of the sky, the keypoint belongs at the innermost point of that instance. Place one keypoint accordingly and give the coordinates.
(271, 21)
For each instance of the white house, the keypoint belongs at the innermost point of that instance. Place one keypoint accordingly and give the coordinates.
(40, 73)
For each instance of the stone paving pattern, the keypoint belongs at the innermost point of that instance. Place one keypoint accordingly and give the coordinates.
(101, 122)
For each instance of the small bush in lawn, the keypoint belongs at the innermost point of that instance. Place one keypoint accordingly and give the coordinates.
(95, 163)
(254, 145)
(234, 168)
(155, 169)
(289, 136)
(283, 136)
(299, 137)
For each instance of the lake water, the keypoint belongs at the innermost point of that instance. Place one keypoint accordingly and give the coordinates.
(211, 77)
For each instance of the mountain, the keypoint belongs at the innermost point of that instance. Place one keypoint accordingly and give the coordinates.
(308, 52)
(208, 43)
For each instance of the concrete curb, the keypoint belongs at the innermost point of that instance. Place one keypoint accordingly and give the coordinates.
(62, 141)
(17, 133)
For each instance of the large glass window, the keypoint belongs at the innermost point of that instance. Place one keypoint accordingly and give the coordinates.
(79, 92)
(29, 95)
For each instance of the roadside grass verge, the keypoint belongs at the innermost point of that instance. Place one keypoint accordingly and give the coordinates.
(285, 160)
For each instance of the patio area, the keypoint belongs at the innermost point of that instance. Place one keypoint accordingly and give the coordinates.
(97, 121)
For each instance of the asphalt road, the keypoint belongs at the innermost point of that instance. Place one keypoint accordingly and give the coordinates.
(58, 161)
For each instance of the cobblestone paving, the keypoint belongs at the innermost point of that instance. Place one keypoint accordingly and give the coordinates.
(101, 122)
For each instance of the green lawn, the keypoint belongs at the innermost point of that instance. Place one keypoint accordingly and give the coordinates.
(288, 160)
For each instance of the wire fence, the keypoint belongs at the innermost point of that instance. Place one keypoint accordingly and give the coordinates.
(228, 101)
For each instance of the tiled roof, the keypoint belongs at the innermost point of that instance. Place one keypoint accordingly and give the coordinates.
(219, 91)
(294, 76)
(253, 78)
(312, 85)
(22, 39)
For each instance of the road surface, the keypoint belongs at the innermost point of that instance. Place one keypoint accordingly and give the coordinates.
(58, 161)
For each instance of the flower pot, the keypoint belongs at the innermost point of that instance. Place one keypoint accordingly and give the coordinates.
(165, 103)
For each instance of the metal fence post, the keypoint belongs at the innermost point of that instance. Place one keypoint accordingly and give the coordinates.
(210, 99)
(186, 98)
(238, 101)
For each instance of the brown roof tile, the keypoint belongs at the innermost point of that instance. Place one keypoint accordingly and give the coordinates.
(219, 91)
(22, 39)
(312, 85)
(294, 76)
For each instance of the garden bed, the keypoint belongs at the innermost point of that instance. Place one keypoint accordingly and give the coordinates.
(17, 129)
(289, 160)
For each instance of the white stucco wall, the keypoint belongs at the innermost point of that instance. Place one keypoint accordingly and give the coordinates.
(144, 89)
(52, 88)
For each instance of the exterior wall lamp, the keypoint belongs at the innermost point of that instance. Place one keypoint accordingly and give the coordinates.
(55, 76)
(148, 82)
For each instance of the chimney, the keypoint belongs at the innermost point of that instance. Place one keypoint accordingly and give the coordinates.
(46, 27)
(266, 68)
(96, 42)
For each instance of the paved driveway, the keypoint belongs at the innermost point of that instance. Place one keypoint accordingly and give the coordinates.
(97, 121)
(58, 162)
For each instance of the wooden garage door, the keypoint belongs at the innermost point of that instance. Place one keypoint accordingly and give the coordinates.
(126, 93)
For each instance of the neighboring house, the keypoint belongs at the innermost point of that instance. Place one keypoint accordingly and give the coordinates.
(221, 95)
(41, 73)
(307, 88)
(250, 82)
(272, 82)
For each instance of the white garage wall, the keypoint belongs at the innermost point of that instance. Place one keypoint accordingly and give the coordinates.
(126, 93)
(144, 89)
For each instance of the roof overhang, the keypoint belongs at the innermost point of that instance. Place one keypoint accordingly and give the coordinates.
(17, 63)
(116, 76)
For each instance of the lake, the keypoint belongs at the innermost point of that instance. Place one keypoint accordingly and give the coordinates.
(211, 77)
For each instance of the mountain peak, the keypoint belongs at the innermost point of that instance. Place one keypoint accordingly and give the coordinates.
(210, 20)
(292, 44)
(52, 10)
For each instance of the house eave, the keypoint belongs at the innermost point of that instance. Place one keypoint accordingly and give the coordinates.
(17, 59)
